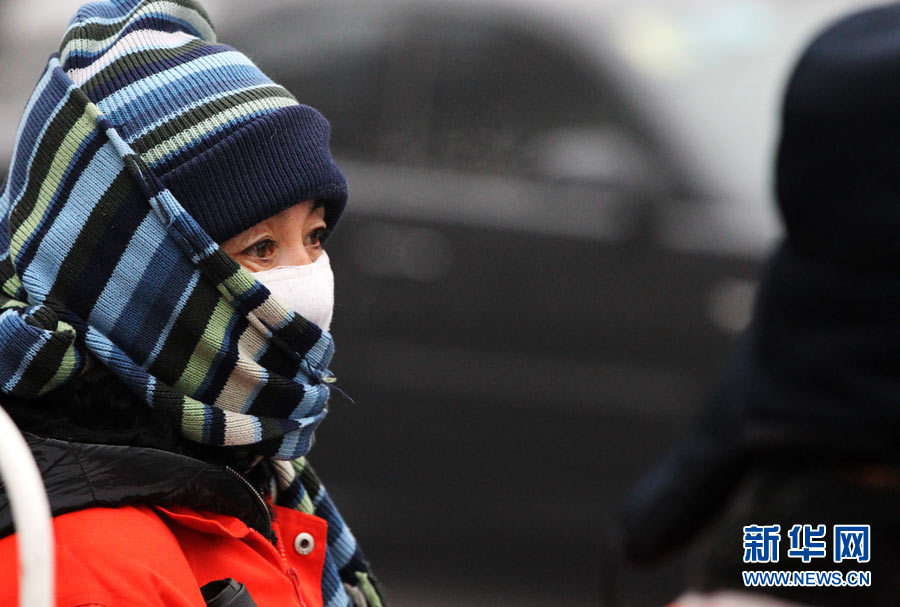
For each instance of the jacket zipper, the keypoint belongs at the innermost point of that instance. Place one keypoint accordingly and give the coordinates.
(286, 566)
(289, 569)
(259, 499)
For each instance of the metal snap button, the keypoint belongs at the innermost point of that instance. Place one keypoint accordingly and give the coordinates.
(304, 543)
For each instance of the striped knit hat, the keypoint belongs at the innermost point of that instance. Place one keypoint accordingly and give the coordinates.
(143, 144)
(231, 145)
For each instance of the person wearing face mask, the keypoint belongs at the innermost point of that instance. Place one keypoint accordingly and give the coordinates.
(285, 253)
(165, 307)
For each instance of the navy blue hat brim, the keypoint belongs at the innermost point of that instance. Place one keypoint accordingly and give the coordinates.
(271, 163)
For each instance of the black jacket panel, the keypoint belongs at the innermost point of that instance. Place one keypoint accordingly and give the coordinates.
(81, 475)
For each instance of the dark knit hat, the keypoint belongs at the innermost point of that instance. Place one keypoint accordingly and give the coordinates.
(232, 146)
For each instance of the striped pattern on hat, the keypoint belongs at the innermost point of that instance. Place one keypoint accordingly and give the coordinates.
(232, 145)
(98, 256)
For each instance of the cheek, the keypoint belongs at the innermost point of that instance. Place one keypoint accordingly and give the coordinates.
(315, 253)
(250, 266)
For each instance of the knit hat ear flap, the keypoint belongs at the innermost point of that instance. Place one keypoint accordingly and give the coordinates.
(233, 146)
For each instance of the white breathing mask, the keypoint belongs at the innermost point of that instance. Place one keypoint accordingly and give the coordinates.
(306, 289)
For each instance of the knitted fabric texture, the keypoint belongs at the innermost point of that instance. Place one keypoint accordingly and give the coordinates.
(100, 256)
(231, 145)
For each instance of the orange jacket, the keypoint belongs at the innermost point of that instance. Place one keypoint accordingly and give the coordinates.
(150, 556)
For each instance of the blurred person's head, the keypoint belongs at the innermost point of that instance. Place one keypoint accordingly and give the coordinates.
(838, 178)
(802, 426)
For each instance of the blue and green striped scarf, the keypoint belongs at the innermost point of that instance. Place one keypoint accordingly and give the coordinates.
(99, 258)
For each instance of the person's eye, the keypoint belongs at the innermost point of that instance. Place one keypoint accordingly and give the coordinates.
(316, 237)
(262, 249)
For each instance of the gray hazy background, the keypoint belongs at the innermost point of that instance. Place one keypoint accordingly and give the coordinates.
(558, 211)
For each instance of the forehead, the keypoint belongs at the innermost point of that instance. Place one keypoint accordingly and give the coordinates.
(301, 210)
(286, 219)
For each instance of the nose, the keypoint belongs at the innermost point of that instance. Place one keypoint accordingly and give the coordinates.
(297, 255)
